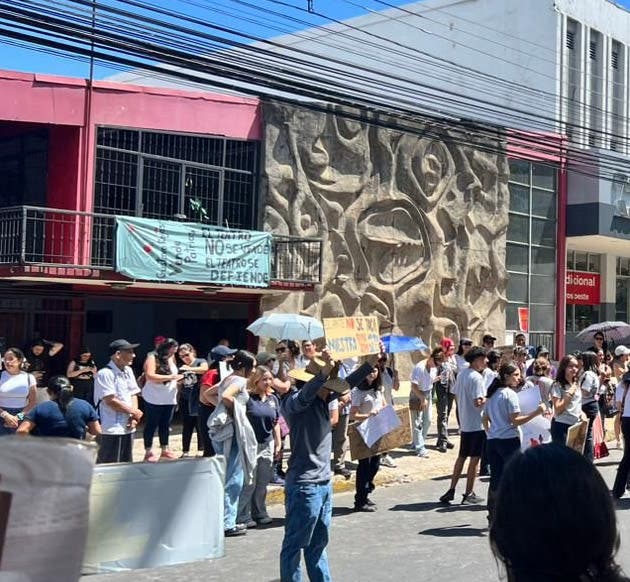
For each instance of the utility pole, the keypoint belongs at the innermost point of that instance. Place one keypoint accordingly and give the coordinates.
(310, 6)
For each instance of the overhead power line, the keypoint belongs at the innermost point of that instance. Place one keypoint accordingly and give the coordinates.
(206, 65)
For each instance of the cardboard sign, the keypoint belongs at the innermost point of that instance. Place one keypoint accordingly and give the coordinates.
(393, 440)
(582, 288)
(576, 436)
(349, 337)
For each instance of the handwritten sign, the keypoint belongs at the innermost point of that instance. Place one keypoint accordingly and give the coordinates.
(163, 250)
(347, 337)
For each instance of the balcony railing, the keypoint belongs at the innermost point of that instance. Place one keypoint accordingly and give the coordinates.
(31, 235)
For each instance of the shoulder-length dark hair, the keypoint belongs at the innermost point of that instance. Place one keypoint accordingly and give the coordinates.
(583, 529)
(505, 371)
(561, 374)
(243, 360)
(589, 362)
(162, 355)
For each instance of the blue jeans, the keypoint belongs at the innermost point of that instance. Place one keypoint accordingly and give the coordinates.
(420, 423)
(307, 523)
(157, 416)
(234, 478)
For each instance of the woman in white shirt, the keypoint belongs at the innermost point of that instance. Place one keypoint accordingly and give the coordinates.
(502, 418)
(367, 400)
(589, 385)
(567, 400)
(18, 391)
(160, 397)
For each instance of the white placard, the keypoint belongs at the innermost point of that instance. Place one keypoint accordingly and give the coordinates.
(375, 427)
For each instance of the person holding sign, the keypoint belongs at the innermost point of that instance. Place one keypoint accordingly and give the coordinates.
(367, 400)
(308, 489)
(502, 419)
(567, 400)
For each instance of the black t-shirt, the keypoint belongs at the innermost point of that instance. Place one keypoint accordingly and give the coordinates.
(40, 364)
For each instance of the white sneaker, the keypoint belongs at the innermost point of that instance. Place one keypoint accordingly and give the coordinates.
(423, 454)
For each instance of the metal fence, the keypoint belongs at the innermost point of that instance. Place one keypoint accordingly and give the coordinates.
(31, 235)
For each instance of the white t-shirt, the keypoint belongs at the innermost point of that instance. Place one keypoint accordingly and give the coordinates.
(366, 400)
(108, 381)
(161, 392)
(14, 389)
(461, 363)
(468, 388)
(488, 377)
(242, 395)
(572, 412)
(422, 377)
(499, 409)
(388, 383)
(589, 383)
(619, 395)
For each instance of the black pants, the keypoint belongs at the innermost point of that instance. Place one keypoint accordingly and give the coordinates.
(444, 405)
(366, 471)
(623, 471)
(115, 448)
(499, 452)
(157, 416)
(202, 429)
(559, 432)
(591, 409)
(189, 425)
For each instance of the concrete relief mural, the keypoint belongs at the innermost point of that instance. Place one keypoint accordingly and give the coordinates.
(413, 225)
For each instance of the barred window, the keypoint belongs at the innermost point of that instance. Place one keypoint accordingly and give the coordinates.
(169, 176)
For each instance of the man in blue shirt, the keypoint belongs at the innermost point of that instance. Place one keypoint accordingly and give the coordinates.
(308, 490)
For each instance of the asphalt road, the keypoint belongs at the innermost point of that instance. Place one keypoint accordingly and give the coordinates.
(411, 536)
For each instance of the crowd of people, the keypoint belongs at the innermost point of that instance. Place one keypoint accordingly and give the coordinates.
(244, 406)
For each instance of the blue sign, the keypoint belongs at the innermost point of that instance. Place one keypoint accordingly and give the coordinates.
(164, 250)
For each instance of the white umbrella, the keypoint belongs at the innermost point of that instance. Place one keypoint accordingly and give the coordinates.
(288, 326)
(613, 331)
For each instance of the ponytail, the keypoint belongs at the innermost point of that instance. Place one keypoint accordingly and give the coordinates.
(61, 389)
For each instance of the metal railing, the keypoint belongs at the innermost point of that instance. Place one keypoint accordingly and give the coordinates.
(31, 235)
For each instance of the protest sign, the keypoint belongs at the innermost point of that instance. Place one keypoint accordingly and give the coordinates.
(538, 430)
(375, 427)
(164, 250)
(392, 440)
(348, 337)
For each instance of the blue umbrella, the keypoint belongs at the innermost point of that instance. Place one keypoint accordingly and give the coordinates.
(289, 326)
(402, 343)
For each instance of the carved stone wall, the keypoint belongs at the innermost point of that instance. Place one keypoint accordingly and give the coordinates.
(413, 225)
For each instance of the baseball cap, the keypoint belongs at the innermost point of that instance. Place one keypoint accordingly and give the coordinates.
(465, 340)
(474, 353)
(263, 357)
(543, 350)
(121, 344)
(217, 353)
(488, 338)
(621, 351)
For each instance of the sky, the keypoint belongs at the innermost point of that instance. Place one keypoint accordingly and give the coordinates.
(230, 13)
(37, 61)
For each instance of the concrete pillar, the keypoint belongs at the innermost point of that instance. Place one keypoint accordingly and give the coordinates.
(608, 291)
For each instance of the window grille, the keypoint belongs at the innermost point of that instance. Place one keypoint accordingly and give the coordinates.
(570, 41)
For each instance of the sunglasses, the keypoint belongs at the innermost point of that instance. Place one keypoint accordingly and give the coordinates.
(280, 350)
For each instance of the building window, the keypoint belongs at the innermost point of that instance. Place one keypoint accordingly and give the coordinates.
(531, 249)
(581, 316)
(168, 175)
(622, 309)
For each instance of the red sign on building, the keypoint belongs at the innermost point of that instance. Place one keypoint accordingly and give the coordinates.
(582, 288)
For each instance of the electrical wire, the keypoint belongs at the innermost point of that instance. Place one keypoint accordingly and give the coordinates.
(350, 102)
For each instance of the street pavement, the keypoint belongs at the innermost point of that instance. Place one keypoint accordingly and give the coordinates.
(411, 536)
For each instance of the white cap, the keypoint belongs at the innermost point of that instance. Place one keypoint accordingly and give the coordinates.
(621, 351)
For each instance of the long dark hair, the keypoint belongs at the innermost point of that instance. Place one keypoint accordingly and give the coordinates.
(561, 374)
(19, 354)
(589, 362)
(505, 371)
(574, 545)
(162, 356)
(61, 389)
(376, 385)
